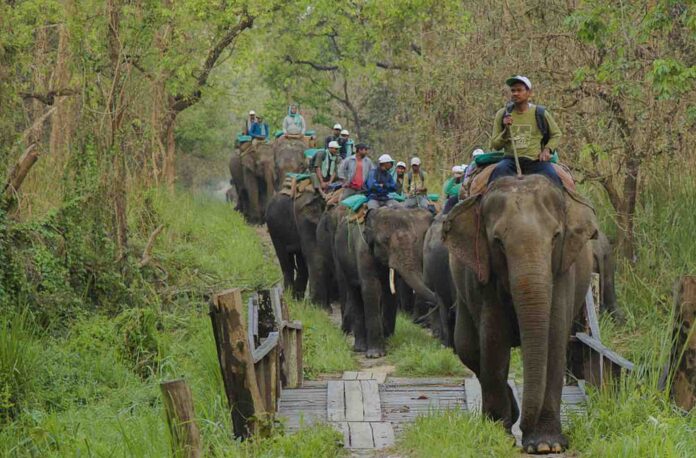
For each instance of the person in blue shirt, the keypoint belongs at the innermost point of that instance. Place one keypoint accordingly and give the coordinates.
(259, 129)
(380, 183)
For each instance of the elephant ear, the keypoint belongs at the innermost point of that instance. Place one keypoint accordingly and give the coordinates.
(464, 234)
(580, 227)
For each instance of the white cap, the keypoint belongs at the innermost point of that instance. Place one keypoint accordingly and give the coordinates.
(337, 126)
(415, 161)
(384, 158)
(345, 132)
(252, 112)
(477, 152)
(457, 169)
(401, 164)
(334, 144)
(519, 79)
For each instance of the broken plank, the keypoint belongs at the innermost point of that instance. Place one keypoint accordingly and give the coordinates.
(354, 400)
(335, 401)
(364, 376)
(473, 394)
(350, 375)
(382, 434)
(361, 435)
(372, 408)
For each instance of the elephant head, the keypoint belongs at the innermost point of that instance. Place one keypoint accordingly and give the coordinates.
(288, 156)
(522, 235)
(395, 238)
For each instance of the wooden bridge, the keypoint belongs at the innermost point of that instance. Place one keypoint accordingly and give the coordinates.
(261, 365)
(371, 410)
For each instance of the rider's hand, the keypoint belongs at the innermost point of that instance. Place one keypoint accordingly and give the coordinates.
(545, 155)
(507, 120)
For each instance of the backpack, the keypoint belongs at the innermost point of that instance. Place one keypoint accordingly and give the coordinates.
(541, 122)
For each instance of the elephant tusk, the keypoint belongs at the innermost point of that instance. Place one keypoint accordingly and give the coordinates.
(392, 288)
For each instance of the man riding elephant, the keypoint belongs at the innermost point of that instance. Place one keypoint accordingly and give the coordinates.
(335, 135)
(380, 183)
(354, 171)
(526, 130)
(294, 123)
(326, 167)
(415, 186)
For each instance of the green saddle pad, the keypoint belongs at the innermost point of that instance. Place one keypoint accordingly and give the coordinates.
(354, 202)
(310, 153)
(243, 138)
(278, 133)
(397, 197)
(298, 176)
(310, 133)
(495, 156)
(433, 197)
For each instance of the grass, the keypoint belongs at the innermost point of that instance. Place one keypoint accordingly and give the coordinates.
(416, 353)
(326, 349)
(95, 387)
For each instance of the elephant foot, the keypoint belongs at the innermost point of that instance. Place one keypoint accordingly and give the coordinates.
(345, 327)
(375, 353)
(359, 346)
(544, 443)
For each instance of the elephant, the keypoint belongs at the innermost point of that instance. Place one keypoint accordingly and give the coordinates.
(308, 210)
(605, 266)
(289, 157)
(521, 262)
(253, 171)
(286, 242)
(326, 230)
(437, 276)
(390, 240)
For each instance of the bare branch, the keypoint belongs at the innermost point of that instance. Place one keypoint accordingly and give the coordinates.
(147, 252)
(49, 97)
(314, 65)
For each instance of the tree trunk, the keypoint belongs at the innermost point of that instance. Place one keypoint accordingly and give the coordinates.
(63, 122)
(628, 210)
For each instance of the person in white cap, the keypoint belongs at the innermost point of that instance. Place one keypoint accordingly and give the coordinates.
(326, 166)
(470, 168)
(451, 188)
(400, 177)
(335, 135)
(527, 130)
(416, 192)
(380, 183)
(248, 122)
(346, 144)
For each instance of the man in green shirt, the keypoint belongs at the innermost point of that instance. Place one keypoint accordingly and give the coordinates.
(517, 126)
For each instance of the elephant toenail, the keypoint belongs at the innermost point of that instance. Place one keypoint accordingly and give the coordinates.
(557, 448)
(530, 449)
(543, 447)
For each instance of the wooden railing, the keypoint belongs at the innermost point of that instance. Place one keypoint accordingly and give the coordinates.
(257, 360)
(589, 360)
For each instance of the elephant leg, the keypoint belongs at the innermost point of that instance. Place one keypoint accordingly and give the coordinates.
(301, 277)
(547, 434)
(355, 305)
(443, 324)
(388, 310)
(495, 341)
(374, 327)
(346, 312)
(252, 187)
(287, 266)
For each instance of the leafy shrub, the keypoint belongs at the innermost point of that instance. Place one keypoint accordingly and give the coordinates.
(139, 341)
(19, 364)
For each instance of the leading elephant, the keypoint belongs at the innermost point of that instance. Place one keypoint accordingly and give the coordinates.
(521, 262)
(280, 221)
(391, 239)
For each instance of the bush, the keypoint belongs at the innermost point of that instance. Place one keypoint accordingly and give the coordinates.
(139, 344)
(19, 365)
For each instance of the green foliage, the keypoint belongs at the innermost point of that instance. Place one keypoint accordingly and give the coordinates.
(456, 434)
(325, 348)
(415, 353)
(140, 344)
(19, 365)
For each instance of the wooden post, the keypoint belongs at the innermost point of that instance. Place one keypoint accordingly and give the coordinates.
(683, 358)
(236, 362)
(178, 407)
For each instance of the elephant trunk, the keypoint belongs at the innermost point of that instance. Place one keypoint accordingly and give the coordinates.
(415, 281)
(269, 178)
(531, 290)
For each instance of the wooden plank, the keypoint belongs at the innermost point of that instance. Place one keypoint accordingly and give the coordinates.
(265, 348)
(364, 376)
(342, 427)
(290, 352)
(382, 434)
(381, 377)
(234, 355)
(335, 401)
(597, 346)
(372, 408)
(473, 394)
(350, 375)
(292, 324)
(591, 314)
(354, 401)
(277, 308)
(299, 366)
(361, 435)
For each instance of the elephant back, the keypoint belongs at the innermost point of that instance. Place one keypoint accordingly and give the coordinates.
(289, 155)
